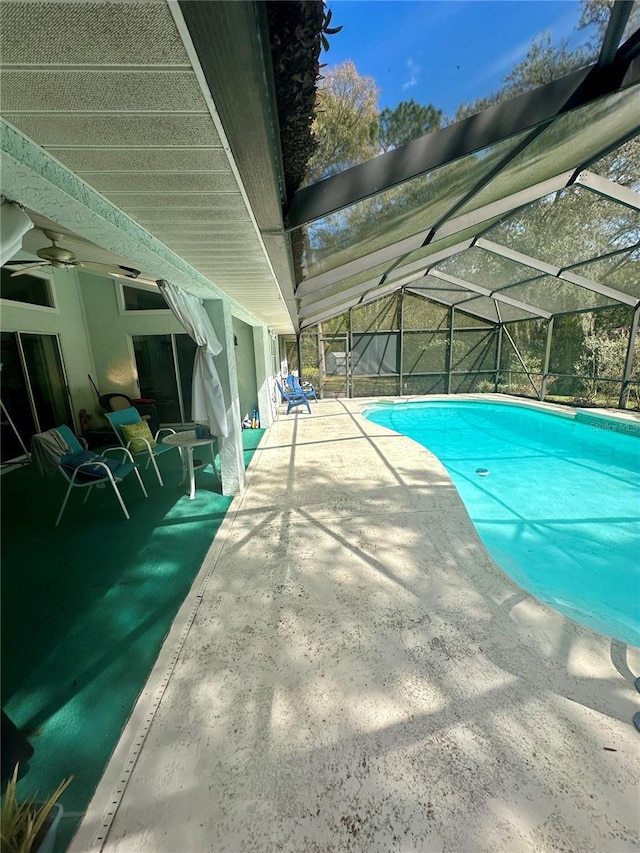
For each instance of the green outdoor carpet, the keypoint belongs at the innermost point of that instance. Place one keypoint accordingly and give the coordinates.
(86, 606)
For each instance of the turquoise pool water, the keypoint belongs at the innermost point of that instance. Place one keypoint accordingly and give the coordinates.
(556, 501)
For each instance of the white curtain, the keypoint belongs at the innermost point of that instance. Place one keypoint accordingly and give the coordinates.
(14, 224)
(208, 401)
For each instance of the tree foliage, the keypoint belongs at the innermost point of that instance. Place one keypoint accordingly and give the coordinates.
(346, 121)
(408, 121)
(603, 358)
(349, 128)
(543, 63)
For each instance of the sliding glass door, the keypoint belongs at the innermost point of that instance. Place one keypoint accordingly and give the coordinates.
(35, 395)
(165, 371)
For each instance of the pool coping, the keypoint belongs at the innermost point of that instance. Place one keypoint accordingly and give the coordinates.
(619, 420)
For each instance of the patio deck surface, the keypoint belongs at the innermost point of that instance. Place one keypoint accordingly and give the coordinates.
(352, 672)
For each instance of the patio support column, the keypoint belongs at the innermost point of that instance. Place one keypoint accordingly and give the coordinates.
(498, 357)
(230, 448)
(299, 356)
(349, 365)
(401, 377)
(262, 351)
(322, 365)
(283, 362)
(626, 378)
(547, 359)
(450, 348)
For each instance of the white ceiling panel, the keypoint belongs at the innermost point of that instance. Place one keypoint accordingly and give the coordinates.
(141, 203)
(114, 91)
(175, 228)
(92, 34)
(141, 182)
(113, 130)
(149, 159)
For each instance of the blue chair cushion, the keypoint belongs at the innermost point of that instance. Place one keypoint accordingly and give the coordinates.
(95, 472)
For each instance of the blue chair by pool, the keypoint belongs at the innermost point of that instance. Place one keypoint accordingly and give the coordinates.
(293, 398)
(299, 387)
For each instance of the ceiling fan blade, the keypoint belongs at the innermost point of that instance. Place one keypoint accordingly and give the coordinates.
(111, 269)
(146, 281)
(19, 263)
(30, 267)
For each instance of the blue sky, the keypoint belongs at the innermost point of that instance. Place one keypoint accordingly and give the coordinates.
(442, 52)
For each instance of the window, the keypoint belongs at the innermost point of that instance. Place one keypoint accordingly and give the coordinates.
(32, 289)
(35, 396)
(143, 299)
(165, 373)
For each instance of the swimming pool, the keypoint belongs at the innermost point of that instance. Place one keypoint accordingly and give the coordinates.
(555, 500)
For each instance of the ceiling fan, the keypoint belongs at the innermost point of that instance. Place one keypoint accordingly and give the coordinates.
(57, 256)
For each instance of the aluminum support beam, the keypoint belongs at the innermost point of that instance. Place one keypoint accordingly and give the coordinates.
(345, 299)
(555, 271)
(433, 296)
(401, 374)
(609, 189)
(547, 359)
(484, 291)
(602, 289)
(461, 223)
(496, 381)
(614, 32)
(452, 311)
(354, 294)
(630, 49)
(319, 316)
(348, 367)
(421, 266)
(518, 257)
(409, 273)
(373, 259)
(505, 205)
(628, 364)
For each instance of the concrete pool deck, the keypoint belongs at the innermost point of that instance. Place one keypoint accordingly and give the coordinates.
(352, 672)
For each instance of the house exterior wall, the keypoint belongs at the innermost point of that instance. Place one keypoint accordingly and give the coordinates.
(68, 321)
(245, 365)
(110, 331)
(264, 362)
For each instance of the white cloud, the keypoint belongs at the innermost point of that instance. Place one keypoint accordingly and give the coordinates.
(414, 72)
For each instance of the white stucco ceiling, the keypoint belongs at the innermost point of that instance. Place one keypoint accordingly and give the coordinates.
(114, 92)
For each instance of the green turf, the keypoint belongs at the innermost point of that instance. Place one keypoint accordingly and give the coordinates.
(86, 606)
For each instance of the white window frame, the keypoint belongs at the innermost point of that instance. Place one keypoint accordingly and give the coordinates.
(150, 288)
(51, 288)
